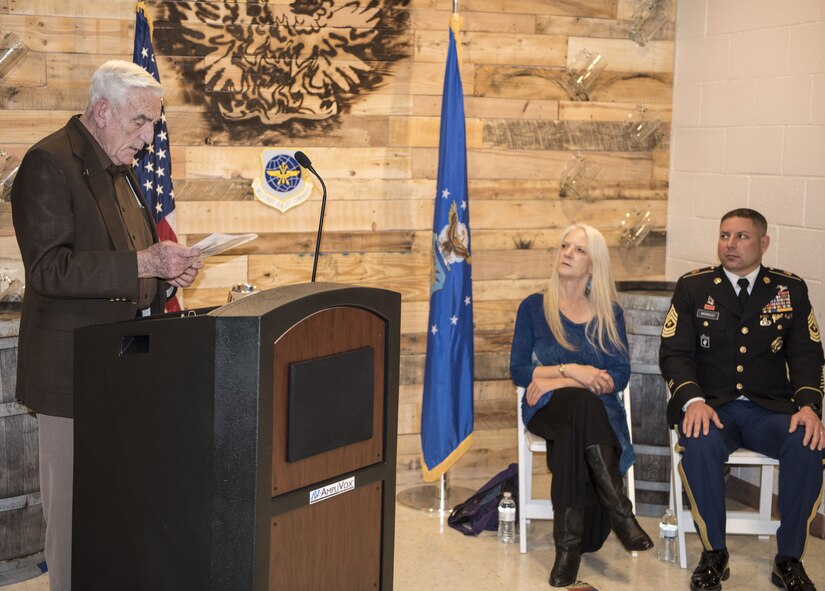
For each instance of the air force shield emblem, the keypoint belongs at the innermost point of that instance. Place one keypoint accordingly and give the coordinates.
(282, 183)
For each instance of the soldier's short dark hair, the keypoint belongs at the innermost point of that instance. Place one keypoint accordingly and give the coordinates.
(751, 214)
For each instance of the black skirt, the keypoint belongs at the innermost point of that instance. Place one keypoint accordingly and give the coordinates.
(574, 420)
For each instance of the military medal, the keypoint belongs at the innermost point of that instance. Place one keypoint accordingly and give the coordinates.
(704, 341)
(776, 344)
(780, 303)
(765, 320)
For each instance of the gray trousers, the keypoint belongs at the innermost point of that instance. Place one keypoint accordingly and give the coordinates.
(56, 440)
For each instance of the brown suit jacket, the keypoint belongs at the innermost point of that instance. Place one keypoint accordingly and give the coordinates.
(81, 268)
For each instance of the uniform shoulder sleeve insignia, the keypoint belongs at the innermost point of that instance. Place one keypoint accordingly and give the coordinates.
(669, 328)
(813, 328)
(782, 273)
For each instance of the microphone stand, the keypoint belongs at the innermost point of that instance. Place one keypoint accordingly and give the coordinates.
(304, 161)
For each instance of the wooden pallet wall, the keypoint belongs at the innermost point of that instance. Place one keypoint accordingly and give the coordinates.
(379, 161)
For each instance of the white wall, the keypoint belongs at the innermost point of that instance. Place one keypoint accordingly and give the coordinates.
(749, 131)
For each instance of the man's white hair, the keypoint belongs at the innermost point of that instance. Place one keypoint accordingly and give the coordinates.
(115, 78)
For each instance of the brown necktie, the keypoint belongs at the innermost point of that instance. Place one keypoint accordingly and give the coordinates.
(116, 171)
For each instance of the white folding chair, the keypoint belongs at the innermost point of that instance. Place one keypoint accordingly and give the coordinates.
(528, 444)
(738, 522)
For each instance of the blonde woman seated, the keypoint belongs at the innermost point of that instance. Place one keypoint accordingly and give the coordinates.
(570, 353)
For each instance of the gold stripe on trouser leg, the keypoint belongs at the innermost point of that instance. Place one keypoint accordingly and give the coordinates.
(701, 526)
(810, 519)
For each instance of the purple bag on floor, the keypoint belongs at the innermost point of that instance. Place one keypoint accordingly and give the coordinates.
(480, 512)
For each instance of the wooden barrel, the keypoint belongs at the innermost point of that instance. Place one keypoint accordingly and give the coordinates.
(22, 528)
(645, 306)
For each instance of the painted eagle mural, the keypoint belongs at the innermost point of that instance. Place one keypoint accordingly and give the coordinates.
(291, 67)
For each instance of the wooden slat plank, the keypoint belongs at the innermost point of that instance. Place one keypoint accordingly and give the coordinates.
(518, 189)
(490, 108)
(351, 216)
(586, 8)
(222, 272)
(27, 127)
(494, 48)
(607, 111)
(346, 216)
(474, 21)
(536, 264)
(487, 366)
(120, 9)
(503, 163)
(520, 134)
(483, 340)
(379, 103)
(223, 14)
(594, 27)
(424, 132)
(193, 128)
(339, 189)
(623, 55)
(233, 162)
(28, 73)
(61, 34)
(548, 83)
(10, 251)
(393, 241)
(405, 273)
(530, 134)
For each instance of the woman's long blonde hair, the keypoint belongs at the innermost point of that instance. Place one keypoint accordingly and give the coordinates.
(601, 329)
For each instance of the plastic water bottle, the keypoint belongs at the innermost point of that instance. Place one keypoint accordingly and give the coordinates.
(668, 541)
(507, 519)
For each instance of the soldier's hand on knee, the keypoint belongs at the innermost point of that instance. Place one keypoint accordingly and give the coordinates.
(698, 418)
(814, 429)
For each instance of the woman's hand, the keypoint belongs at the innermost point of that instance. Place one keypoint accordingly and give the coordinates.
(537, 388)
(594, 379)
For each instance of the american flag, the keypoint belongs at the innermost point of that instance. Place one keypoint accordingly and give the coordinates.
(153, 166)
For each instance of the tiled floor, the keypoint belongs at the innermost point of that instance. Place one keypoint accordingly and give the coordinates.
(431, 556)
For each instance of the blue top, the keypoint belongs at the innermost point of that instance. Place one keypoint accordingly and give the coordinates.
(534, 345)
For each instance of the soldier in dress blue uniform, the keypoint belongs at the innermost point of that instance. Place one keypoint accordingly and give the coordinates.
(742, 356)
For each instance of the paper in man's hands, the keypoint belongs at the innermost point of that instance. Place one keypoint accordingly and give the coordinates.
(218, 243)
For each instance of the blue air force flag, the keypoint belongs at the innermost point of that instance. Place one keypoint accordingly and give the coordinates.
(447, 407)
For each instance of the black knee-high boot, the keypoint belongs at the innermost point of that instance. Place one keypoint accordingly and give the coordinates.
(567, 535)
(603, 463)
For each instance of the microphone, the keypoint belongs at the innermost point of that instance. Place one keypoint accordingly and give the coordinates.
(305, 162)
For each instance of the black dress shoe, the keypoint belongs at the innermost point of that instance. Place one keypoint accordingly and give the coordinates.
(789, 574)
(711, 571)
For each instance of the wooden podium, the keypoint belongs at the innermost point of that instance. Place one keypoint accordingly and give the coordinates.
(246, 447)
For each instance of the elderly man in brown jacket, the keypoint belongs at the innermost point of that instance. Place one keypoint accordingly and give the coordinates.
(91, 256)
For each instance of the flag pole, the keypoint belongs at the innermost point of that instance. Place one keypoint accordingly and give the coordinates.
(440, 497)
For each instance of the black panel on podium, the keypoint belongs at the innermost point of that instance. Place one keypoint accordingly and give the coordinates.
(247, 447)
